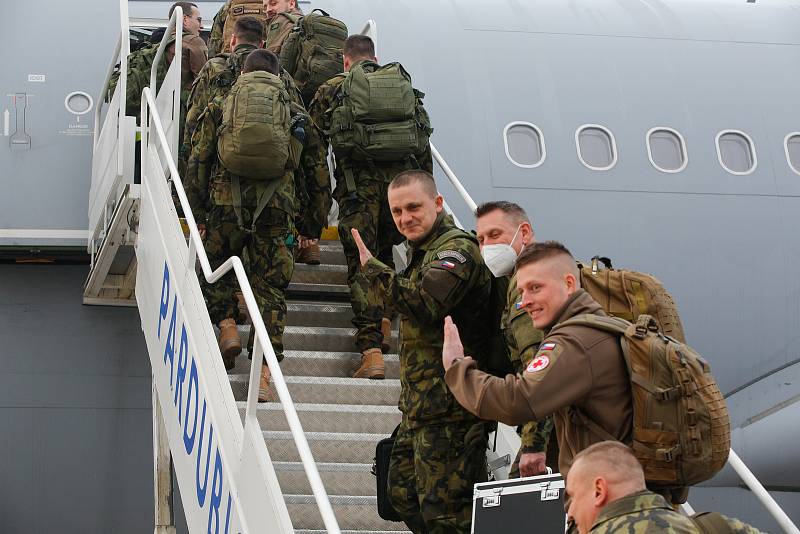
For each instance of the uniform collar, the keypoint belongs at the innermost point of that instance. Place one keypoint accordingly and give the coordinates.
(578, 303)
(244, 47)
(633, 503)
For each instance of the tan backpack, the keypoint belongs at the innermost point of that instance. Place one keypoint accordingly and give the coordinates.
(239, 9)
(681, 428)
(629, 294)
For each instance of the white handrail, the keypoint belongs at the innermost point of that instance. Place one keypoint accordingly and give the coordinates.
(121, 51)
(178, 28)
(261, 338)
(761, 493)
(370, 29)
(453, 179)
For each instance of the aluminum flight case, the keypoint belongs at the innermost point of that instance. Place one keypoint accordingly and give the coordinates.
(520, 505)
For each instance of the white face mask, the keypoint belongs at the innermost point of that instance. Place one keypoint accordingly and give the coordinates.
(500, 258)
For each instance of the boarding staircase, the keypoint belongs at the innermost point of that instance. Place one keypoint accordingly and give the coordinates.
(299, 464)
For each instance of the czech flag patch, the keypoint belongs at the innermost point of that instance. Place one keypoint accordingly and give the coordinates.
(518, 305)
(448, 264)
(547, 346)
(538, 364)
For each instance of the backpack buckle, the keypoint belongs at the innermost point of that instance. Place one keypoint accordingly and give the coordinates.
(666, 455)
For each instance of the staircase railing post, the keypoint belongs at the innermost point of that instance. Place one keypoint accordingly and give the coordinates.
(162, 474)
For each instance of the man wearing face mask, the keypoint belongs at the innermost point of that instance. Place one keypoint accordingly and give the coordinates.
(503, 229)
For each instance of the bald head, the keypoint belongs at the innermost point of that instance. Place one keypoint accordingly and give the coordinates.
(600, 475)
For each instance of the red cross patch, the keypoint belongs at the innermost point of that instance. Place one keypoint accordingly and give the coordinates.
(537, 364)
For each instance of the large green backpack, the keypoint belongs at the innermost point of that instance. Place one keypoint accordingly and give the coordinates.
(379, 116)
(253, 139)
(312, 52)
(681, 428)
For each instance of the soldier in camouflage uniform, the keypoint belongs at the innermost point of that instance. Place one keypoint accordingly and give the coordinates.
(276, 28)
(503, 229)
(607, 494)
(361, 192)
(265, 251)
(440, 449)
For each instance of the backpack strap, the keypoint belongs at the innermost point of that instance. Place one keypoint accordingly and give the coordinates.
(324, 13)
(292, 17)
(711, 523)
(263, 199)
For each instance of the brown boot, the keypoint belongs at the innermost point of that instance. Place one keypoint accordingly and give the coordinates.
(371, 365)
(244, 316)
(229, 343)
(309, 254)
(386, 331)
(264, 392)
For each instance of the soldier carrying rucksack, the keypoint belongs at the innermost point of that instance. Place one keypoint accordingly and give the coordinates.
(240, 186)
(603, 378)
(376, 123)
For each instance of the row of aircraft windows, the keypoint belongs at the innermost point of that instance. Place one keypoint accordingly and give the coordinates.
(666, 148)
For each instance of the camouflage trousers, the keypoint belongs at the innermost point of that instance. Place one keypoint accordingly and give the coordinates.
(367, 210)
(267, 259)
(432, 471)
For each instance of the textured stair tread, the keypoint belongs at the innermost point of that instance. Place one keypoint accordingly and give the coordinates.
(319, 363)
(328, 447)
(353, 512)
(372, 419)
(328, 389)
(338, 478)
(319, 314)
(324, 273)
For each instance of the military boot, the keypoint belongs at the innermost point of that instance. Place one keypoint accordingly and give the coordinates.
(309, 254)
(386, 332)
(371, 365)
(264, 392)
(244, 315)
(229, 343)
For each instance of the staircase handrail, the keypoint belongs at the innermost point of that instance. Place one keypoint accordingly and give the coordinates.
(172, 25)
(734, 460)
(121, 50)
(197, 250)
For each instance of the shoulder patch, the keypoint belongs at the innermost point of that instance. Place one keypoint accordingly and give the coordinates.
(451, 254)
(547, 346)
(539, 363)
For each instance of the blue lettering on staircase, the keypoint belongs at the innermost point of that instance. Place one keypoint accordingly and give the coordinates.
(190, 398)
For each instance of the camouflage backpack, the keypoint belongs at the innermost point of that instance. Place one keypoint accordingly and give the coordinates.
(312, 53)
(139, 64)
(681, 428)
(379, 116)
(629, 294)
(239, 9)
(253, 139)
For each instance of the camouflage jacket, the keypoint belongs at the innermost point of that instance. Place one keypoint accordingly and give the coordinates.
(321, 111)
(523, 340)
(208, 183)
(444, 277)
(278, 28)
(215, 44)
(645, 512)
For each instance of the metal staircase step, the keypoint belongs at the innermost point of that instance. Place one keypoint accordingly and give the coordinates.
(325, 339)
(338, 478)
(298, 290)
(325, 446)
(330, 390)
(329, 417)
(318, 363)
(307, 531)
(320, 274)
(317, 338)
(354, 512)
(331, 252)
(319, 314)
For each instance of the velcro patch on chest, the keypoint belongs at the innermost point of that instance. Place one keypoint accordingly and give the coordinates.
(454, 254)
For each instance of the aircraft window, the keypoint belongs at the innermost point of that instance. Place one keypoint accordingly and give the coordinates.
(596, 147)
(735, 152)
(524, 144)
(666, 149)
(792, 147)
